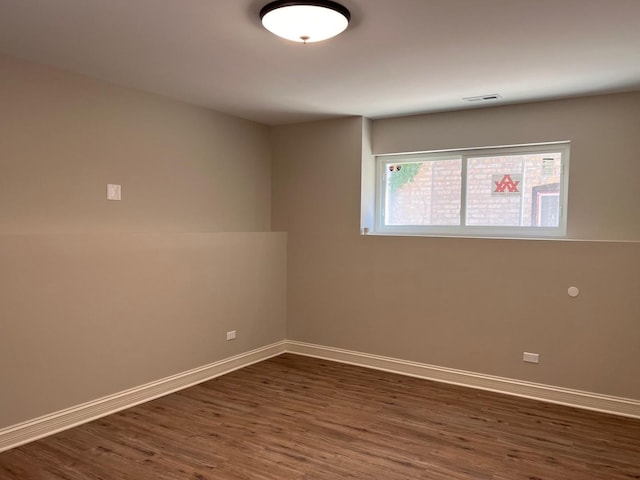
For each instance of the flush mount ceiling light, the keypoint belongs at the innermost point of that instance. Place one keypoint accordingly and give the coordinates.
(305, 21)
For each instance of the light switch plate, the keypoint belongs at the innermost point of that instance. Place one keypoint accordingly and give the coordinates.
(114, 192)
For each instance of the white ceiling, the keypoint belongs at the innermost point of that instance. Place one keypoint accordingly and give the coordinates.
(397, 57)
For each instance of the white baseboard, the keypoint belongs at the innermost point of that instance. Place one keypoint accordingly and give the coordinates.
(31, 430)
(546, 393)
(46, 425)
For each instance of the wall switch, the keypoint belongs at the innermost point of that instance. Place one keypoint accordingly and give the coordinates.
(231, 335)
(114, 192)
(530, 357)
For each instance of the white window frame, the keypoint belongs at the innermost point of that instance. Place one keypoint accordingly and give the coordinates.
(462, 230)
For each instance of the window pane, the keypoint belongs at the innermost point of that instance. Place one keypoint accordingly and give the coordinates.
(514, 190)
(423, 192)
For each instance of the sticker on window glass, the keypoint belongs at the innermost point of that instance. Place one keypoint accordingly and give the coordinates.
(547, 166)
(507, 184)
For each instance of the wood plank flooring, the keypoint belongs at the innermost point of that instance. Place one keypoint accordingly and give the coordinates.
(297, 418)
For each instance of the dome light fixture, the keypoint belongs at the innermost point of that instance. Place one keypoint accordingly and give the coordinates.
(305, 21)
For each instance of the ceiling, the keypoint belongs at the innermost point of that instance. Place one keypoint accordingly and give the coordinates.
(397, 57)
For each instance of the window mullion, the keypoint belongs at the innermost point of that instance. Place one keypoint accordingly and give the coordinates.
(463, 192)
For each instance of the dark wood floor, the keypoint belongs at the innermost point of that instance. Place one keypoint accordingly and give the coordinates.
(298, 418)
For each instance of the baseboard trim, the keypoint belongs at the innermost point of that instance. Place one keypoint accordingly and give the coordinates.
(546, 393)
(46, 425)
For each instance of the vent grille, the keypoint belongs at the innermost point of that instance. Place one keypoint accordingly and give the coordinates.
(483, 98)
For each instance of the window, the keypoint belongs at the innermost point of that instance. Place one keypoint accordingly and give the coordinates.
(487, 192)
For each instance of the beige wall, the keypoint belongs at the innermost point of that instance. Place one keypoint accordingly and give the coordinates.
(63, 137)
(97, 296)
(85, 316)
(470, 304)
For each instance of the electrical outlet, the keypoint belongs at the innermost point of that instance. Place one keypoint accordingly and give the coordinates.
(231, 335)
(530, 357)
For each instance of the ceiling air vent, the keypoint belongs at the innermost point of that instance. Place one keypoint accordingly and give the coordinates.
(483, 98)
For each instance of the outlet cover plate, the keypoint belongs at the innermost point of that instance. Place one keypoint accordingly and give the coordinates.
(114, 192)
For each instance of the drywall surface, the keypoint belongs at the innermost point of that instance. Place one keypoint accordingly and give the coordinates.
(83, 316)
(64, 137)
(99, 296)
(470, 304)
